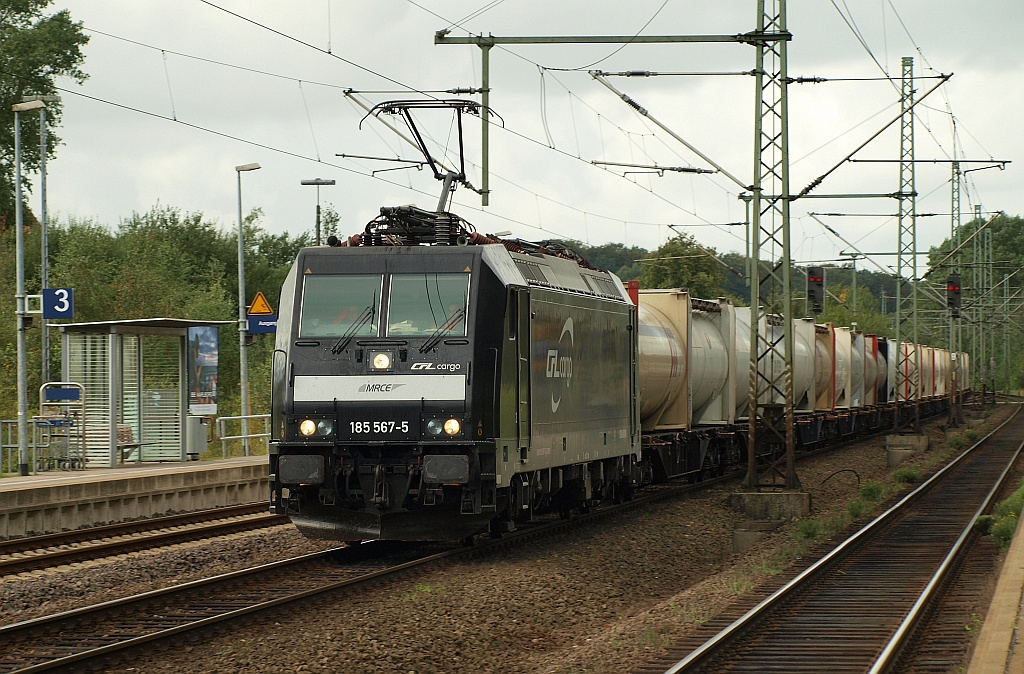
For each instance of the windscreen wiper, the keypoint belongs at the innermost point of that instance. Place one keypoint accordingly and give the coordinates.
(361, 320)
(452, 321)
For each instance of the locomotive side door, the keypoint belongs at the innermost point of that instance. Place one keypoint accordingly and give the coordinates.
(523, 339)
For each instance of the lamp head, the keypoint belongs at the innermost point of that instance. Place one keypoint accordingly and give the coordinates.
(28, 106)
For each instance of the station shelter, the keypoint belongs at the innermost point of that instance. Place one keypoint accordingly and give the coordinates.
(134, 376)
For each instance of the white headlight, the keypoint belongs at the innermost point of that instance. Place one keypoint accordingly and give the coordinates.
(307, 427)
(381, 361)
(452, 427)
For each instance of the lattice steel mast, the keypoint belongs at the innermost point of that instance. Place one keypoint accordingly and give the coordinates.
(771, 364)
(908, 361)
(955, 412)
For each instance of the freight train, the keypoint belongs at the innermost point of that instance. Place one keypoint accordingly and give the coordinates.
(433, 383)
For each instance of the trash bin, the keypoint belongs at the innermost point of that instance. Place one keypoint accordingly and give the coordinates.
(196, 436)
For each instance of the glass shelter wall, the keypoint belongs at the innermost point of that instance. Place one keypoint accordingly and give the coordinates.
(134, 376)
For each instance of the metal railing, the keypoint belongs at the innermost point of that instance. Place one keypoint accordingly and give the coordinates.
(48, 447)
(222, 423)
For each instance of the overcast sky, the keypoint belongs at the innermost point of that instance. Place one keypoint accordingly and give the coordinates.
(182, 91)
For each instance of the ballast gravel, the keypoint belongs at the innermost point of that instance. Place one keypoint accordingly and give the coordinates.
(601, 600)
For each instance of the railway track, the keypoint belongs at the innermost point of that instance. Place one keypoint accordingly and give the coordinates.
(76, 639)
(858, 609)
(120, 628)
(40, 552)
(73, 639)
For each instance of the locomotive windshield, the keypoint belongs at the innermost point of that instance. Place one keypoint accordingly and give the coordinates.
(428, 304)
(335, 305)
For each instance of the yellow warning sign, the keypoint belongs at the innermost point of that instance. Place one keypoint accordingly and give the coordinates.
(260, 306)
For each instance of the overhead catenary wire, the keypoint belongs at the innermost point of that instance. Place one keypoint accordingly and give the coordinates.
(408, 87)
(633, 140)
(348, 90)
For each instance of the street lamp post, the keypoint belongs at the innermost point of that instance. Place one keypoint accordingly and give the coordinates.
(44, 270)
(318, 182)
(19, 298)
(243, 363)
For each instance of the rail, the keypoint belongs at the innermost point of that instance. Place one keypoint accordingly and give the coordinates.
(699, 658)
(222, 424)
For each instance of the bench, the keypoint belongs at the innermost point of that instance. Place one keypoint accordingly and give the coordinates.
(126, 443)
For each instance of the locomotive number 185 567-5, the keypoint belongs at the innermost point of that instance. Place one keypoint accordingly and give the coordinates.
(378, 427)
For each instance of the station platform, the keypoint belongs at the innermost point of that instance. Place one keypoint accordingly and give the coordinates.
(1000, 645)
(54, 501)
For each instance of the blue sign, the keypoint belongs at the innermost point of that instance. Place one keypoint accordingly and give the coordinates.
(58, 302)
(262, 325)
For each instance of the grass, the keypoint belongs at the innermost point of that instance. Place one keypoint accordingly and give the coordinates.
(808, 529)
(741, 586)
(655, 638)
(423, 591)
(906, 475)
(872, 492)
(1002, 523)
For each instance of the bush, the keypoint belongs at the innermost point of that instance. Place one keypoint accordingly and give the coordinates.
(906, 475)
(971, 434)
(808, 530)
(856, 509)
(1003, 529)
(957, 442)
(1004, 518)
(984, 524)
(871, 491)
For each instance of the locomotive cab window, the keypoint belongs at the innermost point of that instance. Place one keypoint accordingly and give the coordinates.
(335, 305)
(428, 304)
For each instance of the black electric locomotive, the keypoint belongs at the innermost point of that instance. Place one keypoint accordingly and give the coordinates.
(432, 383)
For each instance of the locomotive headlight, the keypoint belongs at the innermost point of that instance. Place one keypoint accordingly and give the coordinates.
(325, 427)
(307, 427)
(381, 361)
(435, 426)
(452, 427)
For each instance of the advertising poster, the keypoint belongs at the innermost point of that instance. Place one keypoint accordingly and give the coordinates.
(203, 345)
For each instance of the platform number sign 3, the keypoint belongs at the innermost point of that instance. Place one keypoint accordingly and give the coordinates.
(58, 302)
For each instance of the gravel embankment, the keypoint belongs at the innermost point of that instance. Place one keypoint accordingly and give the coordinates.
(597, 601)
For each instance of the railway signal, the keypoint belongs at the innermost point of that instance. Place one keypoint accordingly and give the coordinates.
(953, 300)
(816, 288)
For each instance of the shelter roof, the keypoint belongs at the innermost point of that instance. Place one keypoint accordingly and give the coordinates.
(141, 326)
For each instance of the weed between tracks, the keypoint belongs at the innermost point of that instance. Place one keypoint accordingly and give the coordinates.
(424, 592)
(812, 531)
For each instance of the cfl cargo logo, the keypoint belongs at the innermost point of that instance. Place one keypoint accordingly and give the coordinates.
(449, 367)
(559, 362)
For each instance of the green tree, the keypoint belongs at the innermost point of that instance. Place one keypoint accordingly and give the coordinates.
(162, 263)
(683, 263)
(330, 223)
(35, 49)
(985, 312)
(840, 311)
